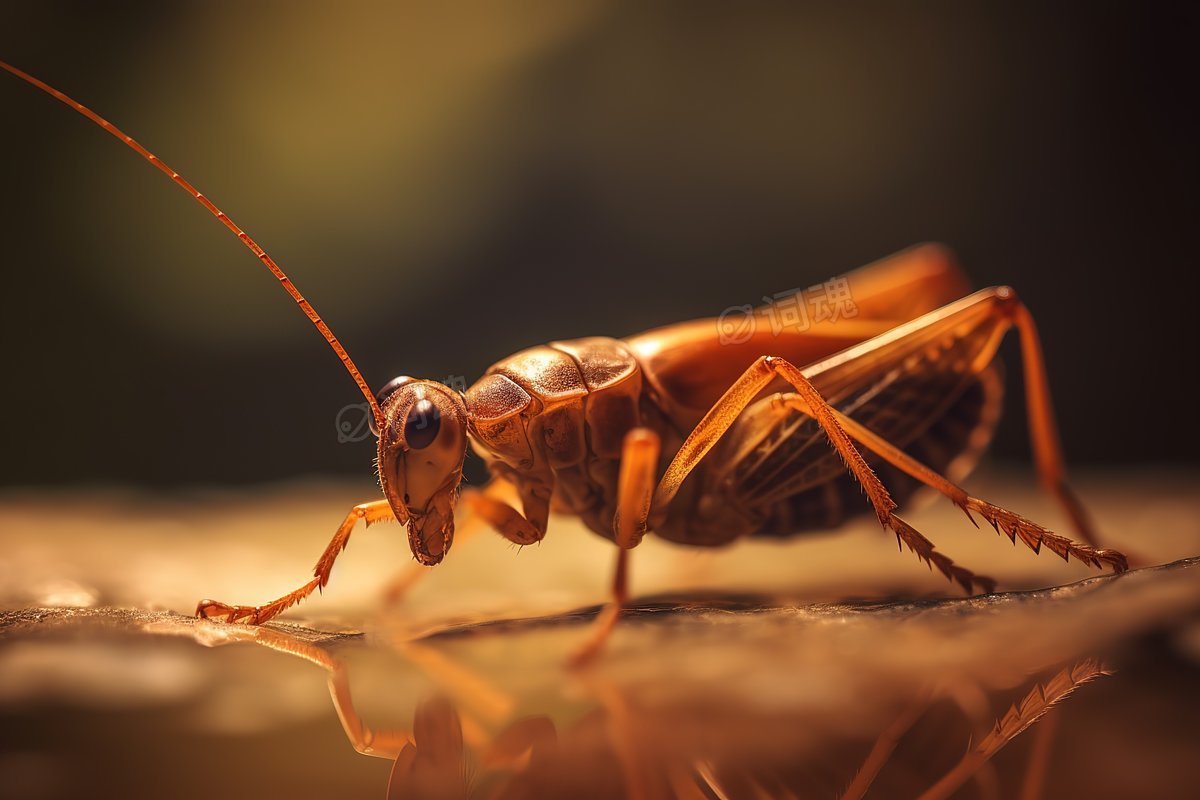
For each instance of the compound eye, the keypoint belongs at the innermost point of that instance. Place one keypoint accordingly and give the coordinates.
(422, 426)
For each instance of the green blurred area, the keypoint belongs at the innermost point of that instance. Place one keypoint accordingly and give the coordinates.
(449, 184)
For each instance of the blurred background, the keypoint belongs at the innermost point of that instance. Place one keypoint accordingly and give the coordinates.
(451, 184)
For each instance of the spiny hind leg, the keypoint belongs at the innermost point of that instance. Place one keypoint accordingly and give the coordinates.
(635, 487)
(986, 317)
(372, 512)
(906, 534)
(1000, 309)
(1032, 708)
(1003, 520)
(809, 401)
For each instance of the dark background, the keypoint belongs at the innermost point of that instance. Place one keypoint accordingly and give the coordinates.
(450, 186)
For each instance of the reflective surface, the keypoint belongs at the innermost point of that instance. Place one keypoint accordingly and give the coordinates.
(702, 692)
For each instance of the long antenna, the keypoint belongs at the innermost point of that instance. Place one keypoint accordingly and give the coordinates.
(284, 280)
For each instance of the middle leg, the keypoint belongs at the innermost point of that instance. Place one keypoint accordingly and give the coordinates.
(635, 486)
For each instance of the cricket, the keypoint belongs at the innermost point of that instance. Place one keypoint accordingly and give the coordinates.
(704, 438)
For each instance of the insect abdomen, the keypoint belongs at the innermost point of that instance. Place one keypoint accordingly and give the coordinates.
(775, 474)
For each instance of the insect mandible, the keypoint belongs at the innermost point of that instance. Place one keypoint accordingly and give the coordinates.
(704, 438)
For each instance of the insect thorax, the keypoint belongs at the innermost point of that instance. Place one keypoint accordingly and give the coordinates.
(558, 414)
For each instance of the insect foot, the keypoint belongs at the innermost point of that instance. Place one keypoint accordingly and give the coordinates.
(1034, 536)
(215, 610)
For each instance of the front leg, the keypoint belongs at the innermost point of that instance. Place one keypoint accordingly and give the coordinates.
(518, 528)
(372, 512)
(487, 506)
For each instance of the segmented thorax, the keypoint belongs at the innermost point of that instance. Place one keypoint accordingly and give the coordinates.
(558, 414)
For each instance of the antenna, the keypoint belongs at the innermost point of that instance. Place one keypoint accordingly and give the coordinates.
(269, 262)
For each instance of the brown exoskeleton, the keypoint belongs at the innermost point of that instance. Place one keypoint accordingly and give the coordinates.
(774, 431)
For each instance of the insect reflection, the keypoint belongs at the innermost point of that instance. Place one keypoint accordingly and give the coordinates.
(470, 739)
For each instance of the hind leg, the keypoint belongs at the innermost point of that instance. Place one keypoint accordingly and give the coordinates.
(1002, 307)
(973, 328)
(808, 400)
(1012, 525)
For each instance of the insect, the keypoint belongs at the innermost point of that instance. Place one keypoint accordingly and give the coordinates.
(703, 438)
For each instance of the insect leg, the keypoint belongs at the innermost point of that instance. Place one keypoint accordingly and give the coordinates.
(372, 512)
(1013, 525)
(885, 745)
(907, 535)
(1027, 711)
(809, 401)
(972, 329)
(382, 743)
(518, 528)
(635, 487)
(467, 524)
(1043, 432)
(1039, 758)
(977, 323)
